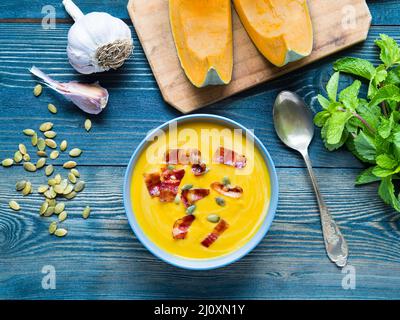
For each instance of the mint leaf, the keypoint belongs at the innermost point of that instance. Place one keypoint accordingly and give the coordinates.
(324, 102)
(393, 77)
(390, 51)
(356, 66)
(386, 192)
(386, 126)
(382, 172)
(336, 124)
(321, 118)
(389, 92)
(335, 146)
(332, 86)
(365, 147)
(349, 95)
(366, 177)
(386, 161)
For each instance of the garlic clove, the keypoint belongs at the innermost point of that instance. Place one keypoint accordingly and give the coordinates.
(91, 98)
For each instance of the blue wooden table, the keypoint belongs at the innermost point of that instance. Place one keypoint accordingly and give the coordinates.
(101, 258)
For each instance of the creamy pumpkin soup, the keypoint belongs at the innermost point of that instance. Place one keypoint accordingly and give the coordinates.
(200, 191)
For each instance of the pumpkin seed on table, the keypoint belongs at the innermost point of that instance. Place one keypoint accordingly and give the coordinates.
(42, 154)
(27, 189)
(190, 209)
(76, 152)
(26, 157)
(51, 202)
(63, 145)
(58, 178)
(40, 163)
(59, 208)
(43, 188)
(86, 212)
(29, 166)
(71, 177)
(50, 134)
(52, 227)
(60, 232)
(37, 90)
(14, 205)
(22, 148)
(80, 185)
(52, 182)
(59, 188)
(214, 218)
(88, 125)
(41, 144)
(49, 170)
(69, 188)
(69, 164)
(50, 194)
(52, 108)
(70, 195)
(75, 172)
(28, 132)
(17, 157)
(7, 162)
(20, 185)
(49, 212)
(220, 201)
(51, 143)
(46, 126)
(43, 208)
(62, 216)
(34, 139)
(54, 154)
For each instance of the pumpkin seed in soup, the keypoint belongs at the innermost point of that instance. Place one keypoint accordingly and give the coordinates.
(191, 209)
(17, 157)
(220, 201)
(46, 126)
(7, 162)
(37, 90)
(14, 205)
(29, 166)
(214, 218)
(29, 132)
(63, 145)
(50, 134)
(52, 108)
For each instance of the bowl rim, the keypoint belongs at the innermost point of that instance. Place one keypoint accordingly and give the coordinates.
(216, 262)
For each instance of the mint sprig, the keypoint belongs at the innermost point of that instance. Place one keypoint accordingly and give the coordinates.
(369, 127)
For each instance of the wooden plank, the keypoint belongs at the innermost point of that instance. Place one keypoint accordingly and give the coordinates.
(133, 92)
(151, 21)
(101, 258)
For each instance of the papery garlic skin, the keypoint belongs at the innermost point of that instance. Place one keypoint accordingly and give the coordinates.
(97, 41)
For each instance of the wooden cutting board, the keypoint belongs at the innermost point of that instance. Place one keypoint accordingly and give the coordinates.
(337, 24)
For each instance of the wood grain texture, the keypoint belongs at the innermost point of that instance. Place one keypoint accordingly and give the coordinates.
(101, 258)
(134, 92)
(151, 21)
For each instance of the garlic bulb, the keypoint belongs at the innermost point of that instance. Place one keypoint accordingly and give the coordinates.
(91, 98)
(97, 41)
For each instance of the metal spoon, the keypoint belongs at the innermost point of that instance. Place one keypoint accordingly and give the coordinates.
(294, 126)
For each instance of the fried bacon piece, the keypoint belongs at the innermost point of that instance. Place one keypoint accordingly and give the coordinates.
(227, 190)
(190, 196)
(213, 236)
(168, 190)
(172, 174)
(153, 182)
(181, 227)
(230, 158)
(199, 169)
(183, 156)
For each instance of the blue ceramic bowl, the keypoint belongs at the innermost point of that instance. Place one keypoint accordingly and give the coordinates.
(201, 264)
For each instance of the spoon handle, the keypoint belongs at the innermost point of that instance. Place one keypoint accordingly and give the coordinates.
(335, 244)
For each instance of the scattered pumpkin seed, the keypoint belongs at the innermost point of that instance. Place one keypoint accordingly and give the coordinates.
(62, 216)
(7, 162)
(14, 205)
(37, 90)
(49, 212)
(50, 194)
(69, 164)
(191, 209)
(80, 185)
(50, 134)
(63, 145)
(50, 143)
(75, 172)
(86, 212)
(29, 132)
(52, 108)
(51, 202)
(76, 152)
(58, 178)
(17, 157)
(49, 170)
(220, 201)
(20, 185)
(54, 154)
(43, 207)
(59, 208)
(88, 125)
(27, 189)
(60, 232)
(214, 218)
(22, 148)
(58, 188)
(43, 188)
(68, 189)
(40, 163)
(41, 144)
(226, 181)
(34, 139)
(187, 187)
(52, 227)
(46, 126)
(70, 195)
(29, 166)
(52, 182)
(71, 177)
(26, 157)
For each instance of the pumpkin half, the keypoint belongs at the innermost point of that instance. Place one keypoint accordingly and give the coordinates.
(202, 31)
(280, 29)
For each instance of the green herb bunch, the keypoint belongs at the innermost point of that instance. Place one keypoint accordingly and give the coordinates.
(369, 127)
